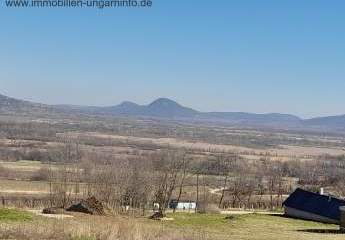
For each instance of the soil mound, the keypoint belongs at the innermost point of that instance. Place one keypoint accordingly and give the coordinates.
(89, 206)
(157, 216)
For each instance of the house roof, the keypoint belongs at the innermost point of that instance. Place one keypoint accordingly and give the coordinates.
(182, 201)
(322, 205)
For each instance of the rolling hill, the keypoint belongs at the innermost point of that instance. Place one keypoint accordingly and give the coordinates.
(161, 108)
(12, 106)
(331, 121)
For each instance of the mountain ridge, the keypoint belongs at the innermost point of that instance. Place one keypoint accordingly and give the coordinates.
(166, 108)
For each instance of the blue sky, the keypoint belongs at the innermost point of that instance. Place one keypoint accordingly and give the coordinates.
(221, 55)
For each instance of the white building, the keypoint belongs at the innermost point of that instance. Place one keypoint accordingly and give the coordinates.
(186, 206)
(182, 205)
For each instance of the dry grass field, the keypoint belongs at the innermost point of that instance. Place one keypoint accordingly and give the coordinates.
(29, 166)
(282, 152)
(21, 186)
(22, 225)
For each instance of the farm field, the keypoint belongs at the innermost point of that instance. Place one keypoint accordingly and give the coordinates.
(21, 186)
(23, 165)
(279, 152)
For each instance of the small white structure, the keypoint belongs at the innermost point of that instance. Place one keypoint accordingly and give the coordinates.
(182, 205)
(186, 206)
(322, 191)
(155, 206)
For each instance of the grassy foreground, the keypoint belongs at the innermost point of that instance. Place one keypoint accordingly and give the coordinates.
(255, 227)
(16, 224)
(13, 215)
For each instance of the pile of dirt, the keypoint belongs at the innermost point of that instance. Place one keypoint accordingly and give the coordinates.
(89, 206)
(53, 210)
(157, 216)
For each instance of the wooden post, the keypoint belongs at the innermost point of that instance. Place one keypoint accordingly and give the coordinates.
(197, 193)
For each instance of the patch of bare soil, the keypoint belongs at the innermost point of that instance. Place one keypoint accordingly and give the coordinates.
(57, 216)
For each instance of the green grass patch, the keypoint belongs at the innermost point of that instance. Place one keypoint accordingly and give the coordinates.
(253, 226)
(216, 220)
(199, 220)
(13, 215)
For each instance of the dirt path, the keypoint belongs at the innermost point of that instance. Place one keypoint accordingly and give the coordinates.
(216, 191)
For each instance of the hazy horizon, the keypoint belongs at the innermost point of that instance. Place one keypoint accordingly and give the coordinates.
(154, 99)
(229, 56)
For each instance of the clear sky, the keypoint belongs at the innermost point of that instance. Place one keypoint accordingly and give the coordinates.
(213, 55)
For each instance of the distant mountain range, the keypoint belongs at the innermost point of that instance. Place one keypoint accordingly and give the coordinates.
(164, 108)
(12, 106)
